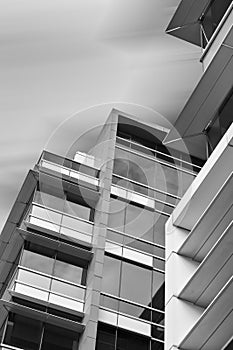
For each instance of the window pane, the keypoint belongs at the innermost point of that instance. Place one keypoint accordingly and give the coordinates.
(167, 179)
(116, 216)
(136, 283)
(33, 279)
(23, 332)
(37, 262)
(159, 228)
(111, 276)
(67, 289)
(155, 345)
(56, 338)
(49, 200)
(158, 290)
(126, 341)
(139, 222)
(68, 272)
(106, 337)
(78, 210)
(135, 311)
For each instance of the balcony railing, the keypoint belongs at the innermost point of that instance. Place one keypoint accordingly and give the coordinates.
(9, 347)
(70, 168)
(47, 289)
(158, 156)
(60, 223)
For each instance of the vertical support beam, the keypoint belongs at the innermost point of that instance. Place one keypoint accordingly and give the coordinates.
(104, 150)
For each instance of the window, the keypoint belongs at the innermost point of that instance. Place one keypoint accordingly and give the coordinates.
(54, 263)
(111, 338)
(30, 334)
(23, 332)
(134, 283)
(137, 221)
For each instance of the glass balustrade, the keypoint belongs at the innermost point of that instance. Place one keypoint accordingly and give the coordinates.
(49, 289)
(70, 168)
(60, 223)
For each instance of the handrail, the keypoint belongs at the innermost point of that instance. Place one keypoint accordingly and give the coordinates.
(132, 302)
(156, 160)
(37, 272)
(159, 152)
(138, 251)
(136, 238)
(69, 169)
(146, 186)
(64, 158)
(145, 196)
(62, 213)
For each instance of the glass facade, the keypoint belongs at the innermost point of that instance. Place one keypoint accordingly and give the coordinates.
(60, 228)
(30, 334)
(212, 17)
(110, 338)
(221, 122)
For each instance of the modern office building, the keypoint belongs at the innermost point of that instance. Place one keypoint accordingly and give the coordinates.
(82, 254)
(199, 234)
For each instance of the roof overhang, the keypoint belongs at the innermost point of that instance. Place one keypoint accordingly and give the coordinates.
(205, 101)
(185, 24)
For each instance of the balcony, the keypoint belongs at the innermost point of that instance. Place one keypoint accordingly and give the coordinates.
(56, 223)
(70, 170)
(44, 289)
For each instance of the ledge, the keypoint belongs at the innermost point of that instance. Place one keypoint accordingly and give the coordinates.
(214, 328)
(213, 273)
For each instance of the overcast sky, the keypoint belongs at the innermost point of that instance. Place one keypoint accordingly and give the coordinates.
(58, 57)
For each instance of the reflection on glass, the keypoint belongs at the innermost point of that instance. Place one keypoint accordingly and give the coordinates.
(136, 311)
(136, 283)
(158, 291)
(157, 332)
(109, 302)
(139, 222)
(46, 214)
(111, 275)
(68, 272)
(37, 262)
(23, 332)
(67, 289)
(213, 16)
(33, 279)
(116, 217)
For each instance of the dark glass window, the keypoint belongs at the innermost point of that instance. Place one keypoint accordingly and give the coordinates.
(106, 337)
(110, 338)
(23, 332)
(31, 334)
(213, 16)
(127, 340)
(56, 338)
(221, 123)
(158, 291)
